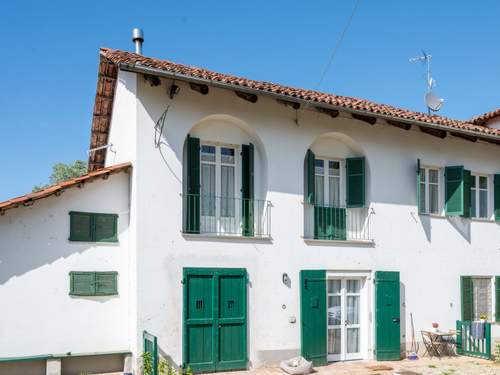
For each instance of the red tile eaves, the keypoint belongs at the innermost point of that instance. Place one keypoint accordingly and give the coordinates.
(124, 57)
(116, 57)
(28, 199)
(485, 117)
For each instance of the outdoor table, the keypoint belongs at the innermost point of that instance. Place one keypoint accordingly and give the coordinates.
(439, 344)
(447, 341)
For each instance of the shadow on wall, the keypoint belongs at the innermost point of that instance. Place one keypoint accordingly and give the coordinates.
(38, 236)
(461, 225)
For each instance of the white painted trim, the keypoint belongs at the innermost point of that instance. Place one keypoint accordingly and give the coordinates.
(338, 242)
(206, 236)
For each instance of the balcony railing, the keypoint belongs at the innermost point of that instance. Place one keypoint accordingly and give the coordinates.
(226, 216)
(323, 222)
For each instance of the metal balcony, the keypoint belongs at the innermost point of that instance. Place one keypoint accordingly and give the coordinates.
(340, 223)
(226, 216)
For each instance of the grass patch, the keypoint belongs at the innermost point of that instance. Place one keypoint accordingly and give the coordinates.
(432, 366)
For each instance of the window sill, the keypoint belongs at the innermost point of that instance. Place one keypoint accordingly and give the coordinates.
(482, 220)
(440, 216)
(313, 241)
(228, 237)
(95, 242)
(437, 216)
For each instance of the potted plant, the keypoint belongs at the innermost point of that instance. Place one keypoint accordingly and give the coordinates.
(483, 317)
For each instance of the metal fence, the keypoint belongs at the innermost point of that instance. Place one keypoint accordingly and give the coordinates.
(226, 216)
(324, 222)
(468, 342)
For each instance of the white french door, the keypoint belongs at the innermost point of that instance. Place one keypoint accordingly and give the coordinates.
(344, 318)
(218, 204)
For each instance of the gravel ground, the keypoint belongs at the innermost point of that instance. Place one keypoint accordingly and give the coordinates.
(425, 366)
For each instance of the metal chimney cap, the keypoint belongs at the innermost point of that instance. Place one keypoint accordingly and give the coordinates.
(137, 35)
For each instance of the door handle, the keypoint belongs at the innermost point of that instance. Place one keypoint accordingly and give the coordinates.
(396, 320)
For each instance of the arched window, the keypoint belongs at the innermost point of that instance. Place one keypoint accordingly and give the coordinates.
(334, 192)
(220, 186)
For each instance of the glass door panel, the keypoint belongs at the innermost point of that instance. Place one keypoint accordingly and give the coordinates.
(344, 319)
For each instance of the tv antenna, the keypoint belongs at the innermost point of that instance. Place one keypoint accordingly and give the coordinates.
(432, 101)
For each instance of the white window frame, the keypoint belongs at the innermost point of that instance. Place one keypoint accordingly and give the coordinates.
(475, 215)
(426, 169)
(326, 180)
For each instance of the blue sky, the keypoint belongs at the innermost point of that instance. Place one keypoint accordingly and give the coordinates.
(50, 54)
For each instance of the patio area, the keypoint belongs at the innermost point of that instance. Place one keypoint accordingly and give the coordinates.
(425, 366)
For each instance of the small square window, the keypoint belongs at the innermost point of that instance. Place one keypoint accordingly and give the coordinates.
(83, 283)
(93, 227)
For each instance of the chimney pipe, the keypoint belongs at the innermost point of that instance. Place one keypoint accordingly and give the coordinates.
(138, 39)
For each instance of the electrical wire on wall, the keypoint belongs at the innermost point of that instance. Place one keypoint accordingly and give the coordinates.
(159, 126)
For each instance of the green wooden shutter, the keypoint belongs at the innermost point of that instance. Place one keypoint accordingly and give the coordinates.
(80, 228)
(82, 283)
(313, 316)
(106, 283)
(247, 189)
(467, 184)
(309, 178)
(496, 190)
(466, 298)
(192, 199)
(497, 298)
(106, 227)
(387, 316)
(355, 182)
(329, 223)
(419, 206)
(454, 191)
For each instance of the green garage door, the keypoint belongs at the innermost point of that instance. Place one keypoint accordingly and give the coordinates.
(387, 316)
(215, 319)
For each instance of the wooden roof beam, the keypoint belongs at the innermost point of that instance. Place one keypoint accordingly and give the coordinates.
(288, 103)
(327, 111)
(399, 124)
(368, 119)
(467, 137)
(202, 89)
(252, 98)
(434, 132)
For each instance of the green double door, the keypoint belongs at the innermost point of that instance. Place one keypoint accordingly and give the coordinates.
(215, 319)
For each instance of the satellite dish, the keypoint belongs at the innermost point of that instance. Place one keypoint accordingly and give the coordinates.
(433, 102)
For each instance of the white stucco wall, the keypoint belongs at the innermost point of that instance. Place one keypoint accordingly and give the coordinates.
(38, 316)
(431, 253)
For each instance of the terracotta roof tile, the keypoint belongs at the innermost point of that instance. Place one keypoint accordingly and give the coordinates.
(28, 199)
(485, 117)
(124, 57)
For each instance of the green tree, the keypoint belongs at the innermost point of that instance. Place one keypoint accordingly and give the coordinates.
(63, 172)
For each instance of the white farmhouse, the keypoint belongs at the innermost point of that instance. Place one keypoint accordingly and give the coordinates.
(243, 222)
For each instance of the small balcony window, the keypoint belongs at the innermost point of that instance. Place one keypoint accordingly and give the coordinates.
(334, 202)
(219, 193)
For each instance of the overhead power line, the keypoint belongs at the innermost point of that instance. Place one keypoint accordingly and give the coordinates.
(339, 42)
